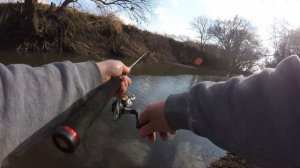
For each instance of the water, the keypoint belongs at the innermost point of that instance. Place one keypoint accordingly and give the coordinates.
(114, 144)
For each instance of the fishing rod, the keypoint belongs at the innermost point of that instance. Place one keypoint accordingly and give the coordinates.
(68, 135)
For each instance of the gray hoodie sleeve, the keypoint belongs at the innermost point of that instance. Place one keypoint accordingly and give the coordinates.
(257, 117)
(32, 97)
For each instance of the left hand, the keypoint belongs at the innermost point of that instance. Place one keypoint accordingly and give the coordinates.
(113, 68)
(154, 116)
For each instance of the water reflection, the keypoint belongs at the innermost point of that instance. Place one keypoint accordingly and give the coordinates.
(116, 143)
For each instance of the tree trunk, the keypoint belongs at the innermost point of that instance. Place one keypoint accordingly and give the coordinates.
(31, 22)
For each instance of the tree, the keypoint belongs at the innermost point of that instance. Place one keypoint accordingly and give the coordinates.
(30, 16)
(135, 9)
(286, 41)
(202, 26)
(279, 35)
(294, 42)
(238, 42)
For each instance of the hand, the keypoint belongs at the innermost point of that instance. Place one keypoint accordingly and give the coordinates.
(154, 116)
(112, 68)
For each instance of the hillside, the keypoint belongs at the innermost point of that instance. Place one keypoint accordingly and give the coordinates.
(87, 34)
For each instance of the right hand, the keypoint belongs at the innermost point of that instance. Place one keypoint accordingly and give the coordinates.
(154, 116)
(112, 68)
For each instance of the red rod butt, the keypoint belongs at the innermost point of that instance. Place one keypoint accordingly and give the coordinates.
(66, 138)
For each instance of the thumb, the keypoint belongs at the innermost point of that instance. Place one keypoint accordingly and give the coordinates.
(126, 70)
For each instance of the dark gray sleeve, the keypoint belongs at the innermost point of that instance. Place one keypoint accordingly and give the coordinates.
(257, 117)
(31, 97)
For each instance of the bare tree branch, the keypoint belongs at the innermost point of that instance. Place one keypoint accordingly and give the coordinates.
(202, 25)
(238, 39)
(135, 9)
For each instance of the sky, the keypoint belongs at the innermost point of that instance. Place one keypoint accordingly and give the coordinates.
(175, 16)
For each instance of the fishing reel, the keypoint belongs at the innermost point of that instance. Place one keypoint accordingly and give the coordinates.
(123, 105)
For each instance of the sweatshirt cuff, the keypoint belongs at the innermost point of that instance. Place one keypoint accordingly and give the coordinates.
(177, 111)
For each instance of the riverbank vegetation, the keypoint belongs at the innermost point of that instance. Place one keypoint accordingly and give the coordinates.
(241, 47)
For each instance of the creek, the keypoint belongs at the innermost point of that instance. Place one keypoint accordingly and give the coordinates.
(114, 144)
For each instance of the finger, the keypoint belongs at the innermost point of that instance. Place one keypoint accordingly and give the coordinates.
(127, 80)
(125, 83)
(126, 69)
(123, 86)
(172, 132)
(164, 136)
(122, 90)
(152, 137)
(146, 130)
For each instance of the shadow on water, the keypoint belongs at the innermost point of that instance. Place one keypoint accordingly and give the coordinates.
(113, 144)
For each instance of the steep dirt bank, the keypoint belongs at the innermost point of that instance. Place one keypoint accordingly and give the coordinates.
(87, 34)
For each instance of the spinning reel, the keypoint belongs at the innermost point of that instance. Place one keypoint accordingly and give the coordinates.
(123, 105)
